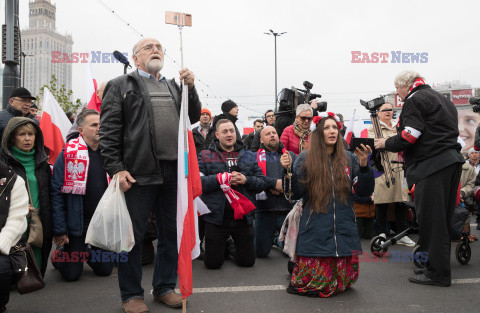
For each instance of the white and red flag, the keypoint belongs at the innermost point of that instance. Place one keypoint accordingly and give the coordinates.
(188, 201)
(349, 130)
(94, 101)
(54, 125)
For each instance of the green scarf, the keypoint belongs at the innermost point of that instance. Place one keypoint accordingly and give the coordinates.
(27, 159)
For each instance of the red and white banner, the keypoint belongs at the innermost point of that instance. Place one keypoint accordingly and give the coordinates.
(188, 203)
(94, 101)
(460, 97)
(54, 125)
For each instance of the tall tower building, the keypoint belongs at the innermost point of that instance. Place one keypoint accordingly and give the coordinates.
(38, 42)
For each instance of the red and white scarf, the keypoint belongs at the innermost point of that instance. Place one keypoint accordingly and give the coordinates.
(240, 204)
(416, 83)
(262, 163)
(76, 167)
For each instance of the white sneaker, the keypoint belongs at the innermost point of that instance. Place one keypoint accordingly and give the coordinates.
(406, 241)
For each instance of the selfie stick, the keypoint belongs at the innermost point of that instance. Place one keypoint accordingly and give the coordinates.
(180, 18)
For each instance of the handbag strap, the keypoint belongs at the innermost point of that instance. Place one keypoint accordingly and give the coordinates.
(29, 195)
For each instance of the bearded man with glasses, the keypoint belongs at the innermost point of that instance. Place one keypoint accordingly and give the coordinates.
(296, 137)
(139, 143)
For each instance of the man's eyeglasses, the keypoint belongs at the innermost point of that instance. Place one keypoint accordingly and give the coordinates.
(24, 100)
(305, 118)
(386, 110)
(150, 47)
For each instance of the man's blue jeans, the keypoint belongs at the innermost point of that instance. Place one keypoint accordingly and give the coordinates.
(267, 223)
(162, 199)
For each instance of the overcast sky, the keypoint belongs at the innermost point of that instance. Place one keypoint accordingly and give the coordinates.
(233, 58)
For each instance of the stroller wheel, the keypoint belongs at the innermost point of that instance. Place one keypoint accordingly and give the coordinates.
(463, 252)
(419, 259)
(376, 246)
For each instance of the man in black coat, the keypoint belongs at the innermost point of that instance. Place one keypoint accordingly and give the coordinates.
(229, 112)
(226, 156)
(201, 133)
(18, 105)
(427, 135)
(139, 143)
(257, 127)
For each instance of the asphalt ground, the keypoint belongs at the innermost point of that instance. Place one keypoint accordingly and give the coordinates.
(381, 287)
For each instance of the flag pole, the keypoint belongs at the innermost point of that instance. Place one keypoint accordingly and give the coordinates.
(181, 24)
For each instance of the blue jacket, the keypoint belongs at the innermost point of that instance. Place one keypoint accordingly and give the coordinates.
(67, 209)
(335, 233)
(211, 162)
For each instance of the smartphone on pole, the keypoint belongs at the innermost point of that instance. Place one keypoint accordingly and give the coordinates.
(177, 18)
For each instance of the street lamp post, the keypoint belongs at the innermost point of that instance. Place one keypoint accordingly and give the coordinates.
(275, 35)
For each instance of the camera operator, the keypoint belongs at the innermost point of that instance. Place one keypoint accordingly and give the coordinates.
(427, 135)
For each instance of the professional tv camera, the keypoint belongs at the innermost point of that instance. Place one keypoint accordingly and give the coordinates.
(475, 101)
(374, 104)
(289, 100)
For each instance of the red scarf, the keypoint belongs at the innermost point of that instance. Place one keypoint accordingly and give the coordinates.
(262, 159)
(76, 167)
(416, 83)
(240, 204)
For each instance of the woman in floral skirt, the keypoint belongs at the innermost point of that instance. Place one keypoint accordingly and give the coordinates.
(324, 177)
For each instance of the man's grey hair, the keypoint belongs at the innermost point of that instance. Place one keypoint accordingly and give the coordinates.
(304, 107)
(83, 115)
(406, 78)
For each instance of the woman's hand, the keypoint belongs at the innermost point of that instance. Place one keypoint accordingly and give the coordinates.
(362, 154)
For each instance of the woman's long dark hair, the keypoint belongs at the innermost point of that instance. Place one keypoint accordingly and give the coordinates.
(320, 167)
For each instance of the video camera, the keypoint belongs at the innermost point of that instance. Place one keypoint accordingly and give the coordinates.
(291, 98)
(475, 101)
(374, 104)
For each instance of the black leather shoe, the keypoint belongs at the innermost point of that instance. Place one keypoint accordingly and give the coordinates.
(419, 271)
(424, 280)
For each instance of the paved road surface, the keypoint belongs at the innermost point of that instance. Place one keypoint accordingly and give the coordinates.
(382, 287)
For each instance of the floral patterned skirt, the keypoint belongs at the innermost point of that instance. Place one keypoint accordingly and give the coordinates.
(323, 277)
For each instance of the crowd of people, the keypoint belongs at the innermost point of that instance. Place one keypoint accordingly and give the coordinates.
(297, 187)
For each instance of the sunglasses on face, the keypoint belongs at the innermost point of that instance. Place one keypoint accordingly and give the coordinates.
(305, 118)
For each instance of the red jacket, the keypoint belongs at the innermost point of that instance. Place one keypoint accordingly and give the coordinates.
(291, 141)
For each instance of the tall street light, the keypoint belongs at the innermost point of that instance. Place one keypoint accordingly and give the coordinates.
(275, 35)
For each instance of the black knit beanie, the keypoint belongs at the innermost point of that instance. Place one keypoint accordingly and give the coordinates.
(228, 105)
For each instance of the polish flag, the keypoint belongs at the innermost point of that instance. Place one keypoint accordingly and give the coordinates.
(363, 131)
(188, 201)
(94, 101)
(349, 130)
(54, 125)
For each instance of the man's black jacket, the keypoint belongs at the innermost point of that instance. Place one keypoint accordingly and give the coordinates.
(127, 129)
(427, 133)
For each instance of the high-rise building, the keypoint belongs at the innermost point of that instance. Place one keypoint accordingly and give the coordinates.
(38, 42)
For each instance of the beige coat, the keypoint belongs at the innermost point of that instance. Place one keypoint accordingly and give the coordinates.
(467, 179)
(397, 192)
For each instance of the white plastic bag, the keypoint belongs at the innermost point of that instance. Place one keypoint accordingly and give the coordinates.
(111, 227)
